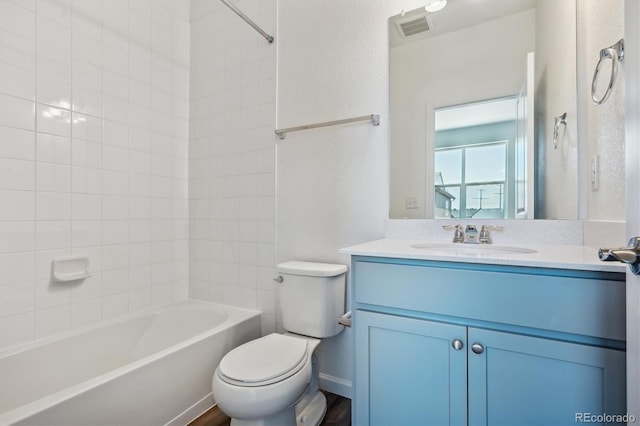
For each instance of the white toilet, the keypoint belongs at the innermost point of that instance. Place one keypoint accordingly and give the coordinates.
(273, 380)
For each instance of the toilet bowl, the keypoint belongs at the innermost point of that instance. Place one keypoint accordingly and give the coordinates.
(260, 382)
(274, 380)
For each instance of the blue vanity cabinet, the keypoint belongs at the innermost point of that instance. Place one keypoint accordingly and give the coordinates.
(412, 374)
(453, 343)
(527, 380)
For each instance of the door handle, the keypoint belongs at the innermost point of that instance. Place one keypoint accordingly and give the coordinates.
(629, 255)
(477, 348)
(457, 344)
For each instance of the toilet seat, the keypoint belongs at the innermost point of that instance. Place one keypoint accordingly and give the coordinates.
(264, 361)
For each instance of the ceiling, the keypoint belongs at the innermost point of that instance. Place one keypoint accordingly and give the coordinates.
(456, 15)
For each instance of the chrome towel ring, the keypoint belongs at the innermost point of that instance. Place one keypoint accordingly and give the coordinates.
(557, 121)
(616, 54)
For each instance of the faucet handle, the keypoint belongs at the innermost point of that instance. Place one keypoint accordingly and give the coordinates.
(451, 227)
(458, 235)
(484, 237)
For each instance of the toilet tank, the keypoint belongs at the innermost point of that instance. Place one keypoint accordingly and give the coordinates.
(311, 297)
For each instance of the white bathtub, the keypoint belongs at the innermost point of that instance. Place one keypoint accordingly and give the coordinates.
(151, 368)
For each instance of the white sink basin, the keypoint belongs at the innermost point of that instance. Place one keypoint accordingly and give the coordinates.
(478, 250)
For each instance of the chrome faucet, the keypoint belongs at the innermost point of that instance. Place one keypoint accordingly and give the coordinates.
(485, 237)
(471, 235)
(458, 235)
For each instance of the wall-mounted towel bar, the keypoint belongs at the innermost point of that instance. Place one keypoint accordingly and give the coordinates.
(374, 118)
(616, 54)
(246, 19)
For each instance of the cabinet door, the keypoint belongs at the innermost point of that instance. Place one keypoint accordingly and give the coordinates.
(408, 372)
(533, 381)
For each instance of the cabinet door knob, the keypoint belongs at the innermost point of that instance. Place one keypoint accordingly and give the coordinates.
(477, 348)
(457, 344)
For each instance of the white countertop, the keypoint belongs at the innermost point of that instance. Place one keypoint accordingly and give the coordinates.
(547, 256)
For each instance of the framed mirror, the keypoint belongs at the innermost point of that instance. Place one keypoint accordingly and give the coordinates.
(476, 89)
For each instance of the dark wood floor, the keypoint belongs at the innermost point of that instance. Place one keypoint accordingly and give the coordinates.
(338, 414)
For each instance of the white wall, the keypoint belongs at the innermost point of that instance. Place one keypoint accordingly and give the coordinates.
(93, 159)
(601, 127)
(555, 73)
(430, 73)
(232, 157)
(332, 182)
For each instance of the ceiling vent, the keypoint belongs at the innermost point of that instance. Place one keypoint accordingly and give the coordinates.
(412, 24)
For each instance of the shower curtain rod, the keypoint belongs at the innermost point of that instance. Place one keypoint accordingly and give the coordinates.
(247, 20)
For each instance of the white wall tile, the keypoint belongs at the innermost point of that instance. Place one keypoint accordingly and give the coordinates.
(85, 313)
(115, 305)
(53, 120)
(87, 18)
(53, 36)
(92, 95)
(115, 158)
(17, 236)
(115, 207)
(53, 149)
(53, 177)
(91, 288)
(116, 110)
(87, 49)
(86, 233)
(50, 294)
(53, 235)
(115, 281)
(115, 182)
(17, 51)
(17, 20)
(17, 81)
(56, 10)
(87, 75)
(17, 174)
(115, 232)
(17, 268)
(161, 294)
(54, 64)
(16, 112)
(87, 101)
(86, 127)
(53, 91)
(115, 257)
(53, 206)
(16, 299)
(140, 299)
(50, 321)
(17, 329)
(86, 207)
(17, 205)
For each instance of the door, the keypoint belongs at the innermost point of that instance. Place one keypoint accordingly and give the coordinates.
(408, 371)
(516, 379)
(632, 179)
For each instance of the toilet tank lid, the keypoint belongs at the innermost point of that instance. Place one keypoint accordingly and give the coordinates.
(312, 269)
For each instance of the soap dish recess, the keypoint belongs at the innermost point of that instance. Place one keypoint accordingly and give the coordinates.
(70, 268)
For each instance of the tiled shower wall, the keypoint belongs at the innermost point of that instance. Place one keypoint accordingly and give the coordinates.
(232, 156)
(93, 159)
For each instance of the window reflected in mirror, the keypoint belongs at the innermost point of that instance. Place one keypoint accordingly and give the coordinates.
(476, 171)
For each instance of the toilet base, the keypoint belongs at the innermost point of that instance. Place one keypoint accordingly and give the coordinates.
(313, 413)
(283, 418)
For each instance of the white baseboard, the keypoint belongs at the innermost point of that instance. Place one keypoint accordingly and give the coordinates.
(193, 412)
(335, 385)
